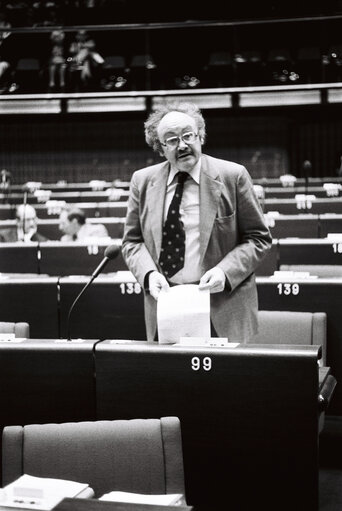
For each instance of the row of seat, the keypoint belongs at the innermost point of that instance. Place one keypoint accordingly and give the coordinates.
(283, 181)
(303, 203)
(222, 69)
(113, 194)
(305, 225)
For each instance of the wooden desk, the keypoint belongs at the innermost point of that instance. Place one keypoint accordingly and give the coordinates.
(300, 225)
(33, 299)
(310, 251)
(19, 257)
(77, 258)
(249, 429)
(45, 380)
(316, 207)
(111, 308)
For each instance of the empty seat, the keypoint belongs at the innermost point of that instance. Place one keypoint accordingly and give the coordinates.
(249, 67)
(219, 69)
(136, 455)
(27, 74)
(309, 64)
(142, 69)
(279, 66)
(291, 327)
(332, 62)
(114, 72)
(20, 329)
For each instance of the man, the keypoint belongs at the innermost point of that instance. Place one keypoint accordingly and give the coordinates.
(73, 223)
(26, 228)
(225, 234)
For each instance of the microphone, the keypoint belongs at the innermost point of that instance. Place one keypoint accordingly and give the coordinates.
(5, 178)
(5, 183)
(307, 166)
(110, 253)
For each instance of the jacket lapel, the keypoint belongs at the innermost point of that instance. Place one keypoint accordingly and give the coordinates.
(210, 193)
(156, 197)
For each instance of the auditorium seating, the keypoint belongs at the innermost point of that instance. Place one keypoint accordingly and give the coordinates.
(137, 455)
(19, 329)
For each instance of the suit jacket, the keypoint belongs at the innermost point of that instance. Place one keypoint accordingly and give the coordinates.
(11, 235)
(233, 236)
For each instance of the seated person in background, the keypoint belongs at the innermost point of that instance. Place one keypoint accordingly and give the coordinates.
(57, 61)
(75, 227)
(26, 228)
(84, 61)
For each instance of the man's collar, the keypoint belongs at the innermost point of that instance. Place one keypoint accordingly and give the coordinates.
(194, 173)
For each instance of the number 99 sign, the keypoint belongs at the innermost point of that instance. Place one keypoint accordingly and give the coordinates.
(197, 364)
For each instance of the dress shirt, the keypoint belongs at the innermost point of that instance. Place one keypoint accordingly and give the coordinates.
(27, 236)
(87, 230)
(189, 214)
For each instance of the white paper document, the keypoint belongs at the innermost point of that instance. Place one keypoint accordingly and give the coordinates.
(183, 311)
(40, 493)
(141, 498)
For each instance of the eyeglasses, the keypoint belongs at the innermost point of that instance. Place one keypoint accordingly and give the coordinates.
(188, 138)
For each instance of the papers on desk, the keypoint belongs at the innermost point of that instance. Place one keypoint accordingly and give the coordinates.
(141, 498)
(41, 493)
(183, 311)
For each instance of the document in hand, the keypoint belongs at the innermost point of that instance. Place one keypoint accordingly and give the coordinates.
(183, 311)
(41, 493)
(142, 498)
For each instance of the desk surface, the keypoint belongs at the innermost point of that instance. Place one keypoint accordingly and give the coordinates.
(101, 505)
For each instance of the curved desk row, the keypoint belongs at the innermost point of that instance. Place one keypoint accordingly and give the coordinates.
(57, 258)
(112, 307)
(290, 206)
(303, 225)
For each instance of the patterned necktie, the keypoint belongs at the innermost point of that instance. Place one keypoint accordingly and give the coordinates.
(173, 243)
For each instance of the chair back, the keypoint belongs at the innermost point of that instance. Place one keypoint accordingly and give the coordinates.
(136, 455)
(291, 327)
(20, 329)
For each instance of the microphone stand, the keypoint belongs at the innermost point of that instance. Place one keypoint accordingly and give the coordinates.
(307, 168)
(73, 305)
(110, 253)
(24, 215)
(6, 185)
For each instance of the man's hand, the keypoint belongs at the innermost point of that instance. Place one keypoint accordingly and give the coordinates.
(214, 280)
(157, 282)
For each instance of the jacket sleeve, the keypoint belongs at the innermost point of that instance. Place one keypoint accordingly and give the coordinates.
(137, 257)
(254, 237)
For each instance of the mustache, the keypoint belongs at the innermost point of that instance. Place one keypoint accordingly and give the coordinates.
(184, 152)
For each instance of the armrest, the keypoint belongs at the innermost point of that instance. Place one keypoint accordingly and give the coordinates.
(326, 392)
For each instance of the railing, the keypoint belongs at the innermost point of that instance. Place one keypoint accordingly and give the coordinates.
(222, 98)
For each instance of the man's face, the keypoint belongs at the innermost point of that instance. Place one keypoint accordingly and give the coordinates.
(27, 221)
(182, 154)
(66, 226)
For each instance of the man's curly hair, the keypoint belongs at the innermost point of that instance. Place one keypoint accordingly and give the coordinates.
(152, 123)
